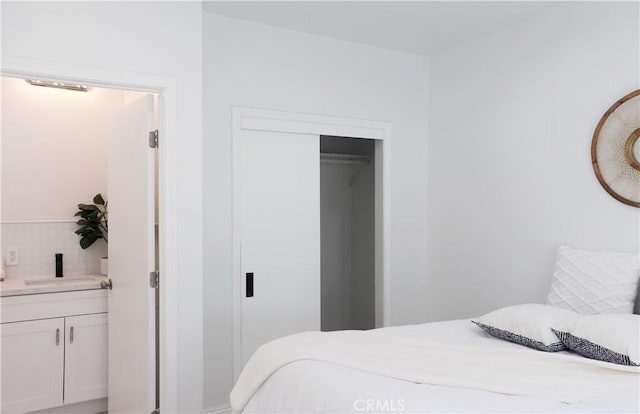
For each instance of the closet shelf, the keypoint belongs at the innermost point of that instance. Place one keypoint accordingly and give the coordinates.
(343, 158)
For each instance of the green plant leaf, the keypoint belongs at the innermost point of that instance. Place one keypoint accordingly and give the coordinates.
(88, 240)
(98, 199)
(93, 221)
(88, 207)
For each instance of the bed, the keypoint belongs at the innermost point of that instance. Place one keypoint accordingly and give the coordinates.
(581, 354)
(313, 385)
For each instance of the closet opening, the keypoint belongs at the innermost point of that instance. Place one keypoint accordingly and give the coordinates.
(347, 229)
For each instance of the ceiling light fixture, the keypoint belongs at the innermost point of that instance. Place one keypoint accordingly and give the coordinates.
(59, 85)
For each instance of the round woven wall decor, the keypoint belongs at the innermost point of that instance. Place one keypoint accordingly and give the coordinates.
(615, 150)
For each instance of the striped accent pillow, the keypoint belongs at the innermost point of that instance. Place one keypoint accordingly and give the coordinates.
(520, 339)
(609, 337)
(528, 325)
(588, 349)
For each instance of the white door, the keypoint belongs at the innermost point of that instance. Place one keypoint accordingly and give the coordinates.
(86, 355)
(131, 259)
(32, 365)
(279, 235)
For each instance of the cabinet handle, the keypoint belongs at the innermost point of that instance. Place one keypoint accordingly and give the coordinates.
(71, 335)
(58, 336)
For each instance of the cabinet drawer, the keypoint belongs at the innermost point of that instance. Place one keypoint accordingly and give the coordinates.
(52, 305)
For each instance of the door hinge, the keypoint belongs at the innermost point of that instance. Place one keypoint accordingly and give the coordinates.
(153, 138)
(154, 279)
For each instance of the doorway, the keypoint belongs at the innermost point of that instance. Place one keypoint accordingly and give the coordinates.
(347, 227)
(130, 119)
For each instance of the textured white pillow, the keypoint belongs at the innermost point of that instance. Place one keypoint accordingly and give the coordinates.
(529, 325)
(611, 338)
(594, 282)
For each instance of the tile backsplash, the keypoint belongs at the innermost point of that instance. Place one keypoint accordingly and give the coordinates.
(37, 244)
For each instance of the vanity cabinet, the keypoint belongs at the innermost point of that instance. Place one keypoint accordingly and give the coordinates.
(54, 350)
(32, 365)
(85, 358)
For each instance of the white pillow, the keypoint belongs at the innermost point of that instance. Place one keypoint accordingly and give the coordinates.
(611, 338)
(529, 325)
(594, 282)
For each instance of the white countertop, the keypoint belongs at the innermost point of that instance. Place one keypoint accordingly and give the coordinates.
(30, 286)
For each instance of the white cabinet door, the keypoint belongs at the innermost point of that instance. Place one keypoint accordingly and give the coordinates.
(32, 365)
(131, 259)
(85, 364)
(279, 235)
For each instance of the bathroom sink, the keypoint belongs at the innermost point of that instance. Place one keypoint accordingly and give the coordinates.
(59, 280)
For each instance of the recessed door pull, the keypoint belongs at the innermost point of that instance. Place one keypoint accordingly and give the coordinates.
(249, 285)
(71, 335)
(58, 336)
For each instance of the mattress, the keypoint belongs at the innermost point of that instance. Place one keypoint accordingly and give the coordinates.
(309, 385)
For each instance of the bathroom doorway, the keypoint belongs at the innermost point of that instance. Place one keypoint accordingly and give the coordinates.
(44, 178)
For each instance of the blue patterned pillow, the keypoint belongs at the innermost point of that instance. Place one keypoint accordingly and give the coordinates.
(591, 350)
(528, 325)
(520, 339)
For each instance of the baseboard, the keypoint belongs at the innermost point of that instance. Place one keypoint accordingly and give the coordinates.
(218, 410)
(93, 406)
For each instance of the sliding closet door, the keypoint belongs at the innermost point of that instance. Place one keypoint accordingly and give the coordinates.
(280, 235)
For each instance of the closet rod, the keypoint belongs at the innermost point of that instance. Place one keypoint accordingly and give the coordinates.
(343, 158)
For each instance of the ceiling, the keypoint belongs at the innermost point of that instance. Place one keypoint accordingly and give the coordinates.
(417, 27)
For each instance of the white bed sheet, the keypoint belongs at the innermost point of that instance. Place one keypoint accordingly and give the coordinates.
(313, 386)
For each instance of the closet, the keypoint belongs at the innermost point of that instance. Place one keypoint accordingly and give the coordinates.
(304, 226)
(347, 229)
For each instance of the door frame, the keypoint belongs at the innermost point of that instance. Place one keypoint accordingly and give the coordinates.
(245, 118)
(165, 86)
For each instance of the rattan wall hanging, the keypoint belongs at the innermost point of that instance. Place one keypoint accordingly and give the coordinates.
(615, 150)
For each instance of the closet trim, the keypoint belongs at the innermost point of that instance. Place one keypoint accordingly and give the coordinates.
(245, 118)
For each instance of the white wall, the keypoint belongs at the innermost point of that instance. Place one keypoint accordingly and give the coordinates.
(163, 38)
(53, 149)
(258, 66)
(510, 178)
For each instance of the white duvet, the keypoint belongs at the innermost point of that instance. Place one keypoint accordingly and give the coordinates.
(441, 367)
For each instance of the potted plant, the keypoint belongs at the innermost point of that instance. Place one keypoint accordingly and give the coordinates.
(94, 225)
